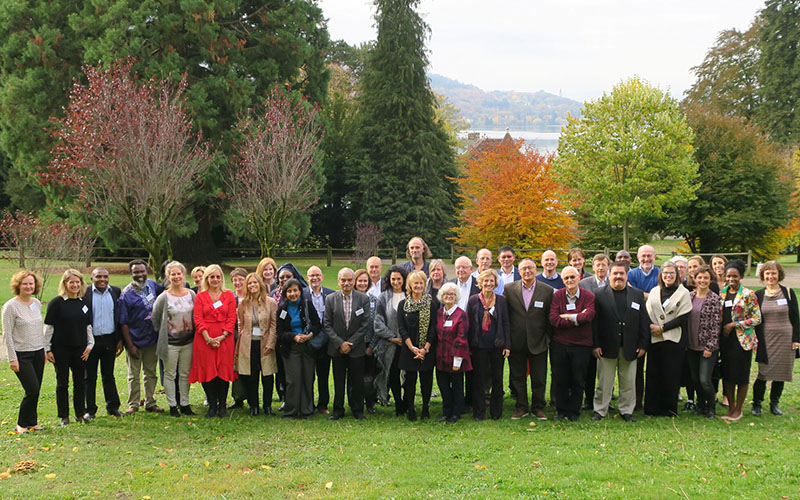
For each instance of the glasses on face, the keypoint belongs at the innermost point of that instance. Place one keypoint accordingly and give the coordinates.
(668, 273)
(448, 294)
(462, 267)
(565, 278)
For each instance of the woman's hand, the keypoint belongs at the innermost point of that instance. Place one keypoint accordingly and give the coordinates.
(396, 341)
(656, 330)
(506, 353)
(85, 354)
(49, 357)
(706, 353)
(726, 330)
(14, 366)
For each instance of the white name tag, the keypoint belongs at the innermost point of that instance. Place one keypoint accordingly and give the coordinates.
(35, 307)
(665, 304)
(448, 323)
(782, 302)
(150, 297)
(457, 361)
(570, 307)
(256, 331)
(491, 310)
(635, 306)
(217, 304)
(728, 303)
(283, 314)
(538, 303)
(359, 311)
(85, 309)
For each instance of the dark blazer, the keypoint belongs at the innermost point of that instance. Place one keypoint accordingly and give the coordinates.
(408, 326)
(283, 326)
(325, 293)
(761, 353)
(635, 324)
(115, 293)
(333, 323)
(475, 314)
(473, 287)
(530, 329)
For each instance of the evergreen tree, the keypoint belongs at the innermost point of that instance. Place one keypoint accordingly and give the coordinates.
(407, 166)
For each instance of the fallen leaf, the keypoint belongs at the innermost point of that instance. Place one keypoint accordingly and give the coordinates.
(146, 497)
(50, 476)
(74, 448)
(266, 467)
(206, 463)
(162, 464)
(329, 485)
(5, 474)
(247, 470)
(186, 476)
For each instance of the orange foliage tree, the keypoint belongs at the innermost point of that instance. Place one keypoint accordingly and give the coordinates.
(509, 197)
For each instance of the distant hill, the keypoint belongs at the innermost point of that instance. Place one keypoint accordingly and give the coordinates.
(498, 110)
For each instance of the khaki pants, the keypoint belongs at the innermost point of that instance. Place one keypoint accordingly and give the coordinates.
(146, 361)
(177, 365)
(606, 370)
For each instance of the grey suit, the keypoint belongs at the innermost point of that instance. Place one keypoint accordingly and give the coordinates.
(590, 283)
(530, 336)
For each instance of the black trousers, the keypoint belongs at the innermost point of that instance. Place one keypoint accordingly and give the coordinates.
(251, 381)
(104, 354)
(31, 371)
(664, 368)
(323, 368)
(396, 386)
(701, 370)
(68, 359)
(451, 387)
(280, 379)
(216, 391)
(640, 380)
(517, 371)
(370, 370)
(348, 378)
(425, 387)
(300, 365)
(569, 364)
(591, 380)
(760, 389)
(491, 360)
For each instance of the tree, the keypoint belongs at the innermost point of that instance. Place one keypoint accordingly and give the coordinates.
(273, 173)
(628, 158)
(407, 167)
(779, 75)
(127, 158)
(509, 197)
(746, 186)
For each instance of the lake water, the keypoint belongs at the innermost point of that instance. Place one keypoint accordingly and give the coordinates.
(543, 141)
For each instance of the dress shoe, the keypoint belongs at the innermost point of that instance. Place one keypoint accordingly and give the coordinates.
(371, 410)
(212, 412)
(173, 411)
(254, 411)
(518, 414)
(64, 422)
(335, 416)
(453, 419)
(587, 406)
(756, 411)
(412, 415)
(478, 419)
(236, 405)
(360, 416)
(559, 416)
(323, 411)
(442, 418)
(154, 409)
(268, 411)
(596, 416)
(115, 413)
(426, 414)
(574, 418)
(773, 408)
(710, 415)
(131, 410)
(223, 412)
(539, 414)
(187, 410)
(628, 417)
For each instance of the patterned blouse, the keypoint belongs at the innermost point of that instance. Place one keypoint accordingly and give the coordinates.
(746, 314)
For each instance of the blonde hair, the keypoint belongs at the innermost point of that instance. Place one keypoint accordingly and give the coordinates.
(195, 269)
(16, 281)
(263, 263)
(172, 264)
(485, 274)
(416, 275)
(209, 270)
(62, 285)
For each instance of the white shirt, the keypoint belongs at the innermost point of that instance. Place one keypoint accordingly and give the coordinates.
(464, 289)
(375, 289)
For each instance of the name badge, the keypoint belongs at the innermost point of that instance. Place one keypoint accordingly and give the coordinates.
(570, 307)
(538, 303)
(448, 323)
(34, 307)
(217, 304)
(665, 304)
(283, 314)
(256, 331)
(782, 302)
(150, 297)
(635, 306)
(728, 303)
(359, 311)
(457, 360)
(85, 309)
(491, 310)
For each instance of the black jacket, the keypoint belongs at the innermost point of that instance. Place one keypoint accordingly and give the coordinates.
(283, 325)
(475, 314)
(635, 324)
(115, 293)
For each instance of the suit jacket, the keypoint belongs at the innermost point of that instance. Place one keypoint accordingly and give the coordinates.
(333, 323)
(635, 324)
(590, 283)
(115, 293)
(791, 298)
(325, 293)
(475, 312)
(530, 329)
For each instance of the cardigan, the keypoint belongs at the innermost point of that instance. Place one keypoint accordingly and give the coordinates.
(710, 321)
(678, 307)
(266, 322)
(565, 332)
(475, 314)
(761, 354)
(160, 319)
(451, 341)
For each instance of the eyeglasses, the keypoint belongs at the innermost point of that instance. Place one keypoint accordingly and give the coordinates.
(565, 278)
(668, 273)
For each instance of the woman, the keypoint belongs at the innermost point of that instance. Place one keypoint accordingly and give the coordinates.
(437, 277)
(267, 270)
(416, 321)
(490, 343)
(778, 337)
(669, 306)
(173, 319)
(24, 337)
(286, 272)
(212, 350)
(68, 341)
(387, 339)
(197, 277)
(297, 326)
(718, 263)
(238, 390)
(238, 276)
(704, 325)
(740, 316)
(370, 365)
(254, 356)
(577, 259)
(452, 353)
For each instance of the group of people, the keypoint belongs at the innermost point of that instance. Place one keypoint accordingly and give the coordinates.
(278, 330)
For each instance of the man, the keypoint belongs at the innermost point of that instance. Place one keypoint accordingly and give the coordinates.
(621, 334)
(417, 250)
(101, 299)
(316, 293)
(645, 278)
(507, 273)
(374, 269)
(483, 259)
(135, 311)
(624, 256)
(529, 302)
(593, 284)
(571, 315)
(468, 286)
(549, 274)
(346, 321)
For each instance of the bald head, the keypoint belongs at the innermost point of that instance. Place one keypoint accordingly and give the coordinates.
(483, 259)
(314, 276)
(374, 268)
(646, 255)
(549, 263)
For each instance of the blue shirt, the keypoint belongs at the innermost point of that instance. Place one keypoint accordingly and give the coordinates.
(102, 312)
(294, 315)
(136, 310)
(644, 282)
(556, 282)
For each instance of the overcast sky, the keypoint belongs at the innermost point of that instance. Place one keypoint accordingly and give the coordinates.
(578, 47)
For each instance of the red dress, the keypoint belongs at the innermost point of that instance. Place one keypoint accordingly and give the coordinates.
(209, 362)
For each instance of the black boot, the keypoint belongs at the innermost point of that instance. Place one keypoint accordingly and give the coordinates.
(773, 407)
(756, 411)
(211, 397)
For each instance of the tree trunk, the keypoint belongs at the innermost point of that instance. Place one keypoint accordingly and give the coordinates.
(625, 242)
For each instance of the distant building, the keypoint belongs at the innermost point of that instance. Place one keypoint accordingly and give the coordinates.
(476, 143)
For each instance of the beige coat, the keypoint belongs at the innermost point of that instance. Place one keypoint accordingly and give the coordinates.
(266, 321)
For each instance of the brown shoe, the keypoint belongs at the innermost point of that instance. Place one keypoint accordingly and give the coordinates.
(518, 414)
(131, 410)
(154, 409)
(539, 414)
(324, 411)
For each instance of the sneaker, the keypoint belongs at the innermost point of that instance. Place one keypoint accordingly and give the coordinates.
(689, 406)
(518, 414)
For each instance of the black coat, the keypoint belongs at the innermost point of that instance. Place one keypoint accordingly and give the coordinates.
(283, 326)
(408, 327)
(475, 314)
(761, 353)
(606, 324)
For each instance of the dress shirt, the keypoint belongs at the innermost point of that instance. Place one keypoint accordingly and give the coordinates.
(464, 289)
(572, 299)
(527, 294)
(375, 289)
(318, 301)
(102, 312)
(347, 305)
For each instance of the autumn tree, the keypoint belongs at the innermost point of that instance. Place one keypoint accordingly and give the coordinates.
(127, 158)
(627, 158)
(272, 173)
(509, 197)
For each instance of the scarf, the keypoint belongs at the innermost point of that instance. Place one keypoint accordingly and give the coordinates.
(423, 306)
(486, 324)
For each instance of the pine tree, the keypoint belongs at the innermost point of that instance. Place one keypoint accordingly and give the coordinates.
(407, 166)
